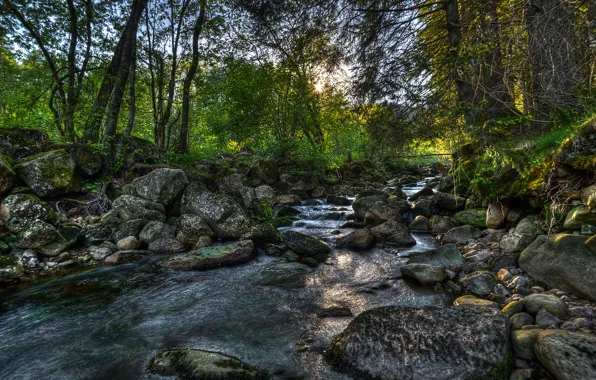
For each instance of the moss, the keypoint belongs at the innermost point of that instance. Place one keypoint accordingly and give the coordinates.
(281, 222)
(262, 211)
(8, 260)
(502, 370)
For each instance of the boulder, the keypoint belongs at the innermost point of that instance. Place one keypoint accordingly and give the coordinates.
(567, 355)
(564, 262)
(231, 183)
(496, 214)
(440, 224)
(223, 215)
(215, 256)
(469, 300)
(264, 171)
(265, 193)
(89, 160)
(461, 235)
(7, 176)
(522, 236)
(393, 232)
(424, 273)
(165, 244)
(263, 234)
(480, 284)
(95, 235)
(282, 274)
(444, 256)
(160, 186)
(155, 230)
(519, 320)
(474, 217)
(363, 204)
(579, 216)
(424, 206)
(338, 200)
(18, 210)
(449, 202)
(202, 365)
(130, 228)
(49, 174)
(128, 243)
(589, 197)
(130, 207)
(420, 223)
(189, 228)
(306, 245)
(381, 212)
(42, 237)
(359, 240)
(319, 192)
(523, 342)
(552, 304)
(248, 195)
(20, 143)
(423, 343)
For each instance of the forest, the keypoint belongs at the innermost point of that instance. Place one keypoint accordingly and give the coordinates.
(298, 189)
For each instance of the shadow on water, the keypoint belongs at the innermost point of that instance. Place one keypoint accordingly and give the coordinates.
(108, 322)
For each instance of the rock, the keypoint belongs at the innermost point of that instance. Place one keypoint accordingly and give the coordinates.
(155, 230)
(18, 210)
(479, 284)
(523, 342)
(520, 320)
(524, 234)
(223, 215)
(474, 301)
(424, 206)
(42, 237)
(264, 171)
(420, 223)
(288, 200)
(215, 256)
(160, 186)
(265, 193)
(130, 207)
(578, 216)
(306, 245)
(564, 262)
(443, 256)
(338, 200)
(424, 273)
(11, 268)
(423, 343)
(129, 243)
(589, 197)
(393, 232)
(231, 183)
(130, 228)
(123, 257)
(440, 224)
(99, 253)
(545, 319)
(381, 212)
(567, 355)
(263, 234)
(95, 235)
(363, 204)
(49, 174)
(319, 192)
(202, 365)
(7, 176)
(461, 235)
(189, 228)
(553, 304)
(474, 217)
(513, 307)
(204, 241)
(496, 214)
(138, 150)
(359, 240)
(20, 143)
(282, 274)
(449, 202)
(421, 193)
(335, 312)
(398, 204)
(165, 244)
(89, 160)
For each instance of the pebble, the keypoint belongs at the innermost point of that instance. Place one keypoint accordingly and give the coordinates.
(504, 275)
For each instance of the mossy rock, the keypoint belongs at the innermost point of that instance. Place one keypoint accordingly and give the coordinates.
(20, 143)
(281, 222)
(475, 217)
(262, 211)
(49, 173)
(7, 175)
(579, 152)
(190, 364)
(90, 161)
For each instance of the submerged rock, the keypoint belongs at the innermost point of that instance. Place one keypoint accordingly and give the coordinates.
(564, 262)
(160, 186)
(202, 365)
(423, 343)
(49, 174)
(567, 355)
(290, 274)
(208, 257)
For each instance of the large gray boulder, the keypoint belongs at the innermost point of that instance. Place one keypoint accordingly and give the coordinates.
(202, 365)
(564, 262)
(90, 161)
(578, 216)
(130, 228)
(42, 237)
(49, 174)
(223, 215)
(130, 207)
(190, 228)
(18, 210)
(567, 355)
(393, 232)
(455, 343)
(155, 230)
(522, 236)
(461, 235)
(358, 240)
(7, 176)
(363, 204)
(306, 245)
(160, 186)
(209, 257)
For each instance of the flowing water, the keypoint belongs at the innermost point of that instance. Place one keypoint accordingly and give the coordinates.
(108, 322)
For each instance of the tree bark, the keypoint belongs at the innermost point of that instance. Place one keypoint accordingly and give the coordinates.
(188, 80)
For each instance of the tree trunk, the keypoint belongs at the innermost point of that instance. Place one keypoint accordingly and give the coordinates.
(190, 75)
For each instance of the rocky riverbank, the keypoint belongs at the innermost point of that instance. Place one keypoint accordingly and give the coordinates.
(524, 296)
